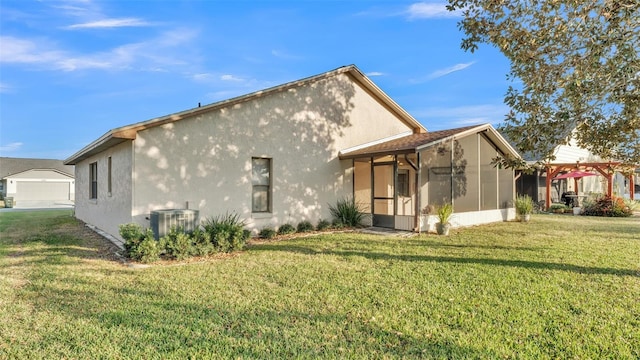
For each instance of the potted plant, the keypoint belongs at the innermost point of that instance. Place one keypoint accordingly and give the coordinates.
(444, 215)
(524, 207)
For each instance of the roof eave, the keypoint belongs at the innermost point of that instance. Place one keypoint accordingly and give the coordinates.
(111, 138)
(129, 132)
(40, 169)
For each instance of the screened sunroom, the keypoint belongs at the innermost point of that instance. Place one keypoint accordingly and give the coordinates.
(401, 182)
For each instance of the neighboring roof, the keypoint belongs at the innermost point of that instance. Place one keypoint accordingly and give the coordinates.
(416, 142)
(121, 134)
(538, 154)
(12, 166)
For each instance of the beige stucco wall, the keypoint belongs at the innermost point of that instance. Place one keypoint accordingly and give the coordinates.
(109, 210)
(206, 160)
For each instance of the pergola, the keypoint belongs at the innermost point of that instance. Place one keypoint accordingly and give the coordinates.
(606, 169)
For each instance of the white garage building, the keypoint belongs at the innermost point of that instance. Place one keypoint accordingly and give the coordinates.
(34, 183)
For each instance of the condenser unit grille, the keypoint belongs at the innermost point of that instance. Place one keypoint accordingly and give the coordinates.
(162, 221)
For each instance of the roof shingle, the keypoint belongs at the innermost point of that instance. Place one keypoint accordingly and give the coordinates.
(407, 144)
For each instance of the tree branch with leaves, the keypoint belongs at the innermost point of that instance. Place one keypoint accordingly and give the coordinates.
(575, 70)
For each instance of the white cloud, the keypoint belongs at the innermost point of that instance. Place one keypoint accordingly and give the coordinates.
(168, 49)
(110, 23)
(11, 147)
(375, 73)
(449, 70)
(228, 77)
(284, 55)
(14, 50)
(424, 10)
(202, 77)
(4, 87)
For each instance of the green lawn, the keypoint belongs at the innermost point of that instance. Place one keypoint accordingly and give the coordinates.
(560, 287)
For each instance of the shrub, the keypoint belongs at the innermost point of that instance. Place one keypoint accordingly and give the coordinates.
(608, 206)
(131, 231)
(267, 233)
(557, 208)
(524, 204)
(148, 250)
(338, 224)
(286, 229)
(323, 225)
(144, 249)
(202, 244)
(139, 245)
(177, 244)
(347, 212)
(304, 226)
(633, 205)
(226, 232)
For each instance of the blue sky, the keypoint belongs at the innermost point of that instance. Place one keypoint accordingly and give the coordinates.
(71, 70)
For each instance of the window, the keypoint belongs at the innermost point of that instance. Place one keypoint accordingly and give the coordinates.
(403, 183)
(93, 180)
(109, 176)
(261, 181)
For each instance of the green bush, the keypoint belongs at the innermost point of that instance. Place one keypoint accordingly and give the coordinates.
(148, 250)
(633, 205)
(223, 233)
(177, 244)
(267, 233)
(202, 244)
(131, 231)
(304, 226)
(139, 245)
(286, 229)
(557, 208)
(608, 206)
(347, 212)
(226, 232)
(323, 225)
(338, 224)
(144, 248)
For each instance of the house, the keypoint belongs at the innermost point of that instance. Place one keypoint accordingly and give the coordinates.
(610, 177)
(36, 182)
(285, 154)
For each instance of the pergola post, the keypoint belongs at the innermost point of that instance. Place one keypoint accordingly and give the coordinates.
(548, 195)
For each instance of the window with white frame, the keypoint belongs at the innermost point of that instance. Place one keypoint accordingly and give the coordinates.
(261, 185)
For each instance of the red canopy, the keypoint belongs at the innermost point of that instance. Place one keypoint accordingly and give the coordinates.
(574, 174)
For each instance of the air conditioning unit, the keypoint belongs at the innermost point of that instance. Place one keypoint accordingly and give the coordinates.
(163, 220)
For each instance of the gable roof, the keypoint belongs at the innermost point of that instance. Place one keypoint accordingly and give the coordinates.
(129, 132)
(11, 166)
(416, 142)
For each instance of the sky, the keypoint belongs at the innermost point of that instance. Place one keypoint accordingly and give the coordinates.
(71, 70)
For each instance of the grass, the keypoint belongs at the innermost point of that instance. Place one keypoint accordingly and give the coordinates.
(556, 287)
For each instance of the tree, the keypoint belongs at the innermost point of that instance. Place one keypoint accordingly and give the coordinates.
(574, 65)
